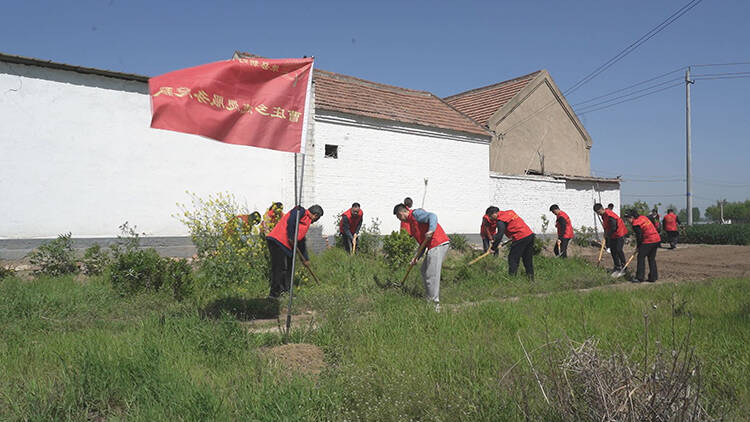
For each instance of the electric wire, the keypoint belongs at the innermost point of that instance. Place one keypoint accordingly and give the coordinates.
(631, 93)
(629, 49)
(629, 99)
(630, 86)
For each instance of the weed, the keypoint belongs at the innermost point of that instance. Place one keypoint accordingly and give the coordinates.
(398, 248)
(55, 258)
(459, 242)
(95, 260)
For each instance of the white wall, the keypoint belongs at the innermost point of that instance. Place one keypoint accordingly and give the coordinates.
(77, 154)
(380, 164)
(531, 196)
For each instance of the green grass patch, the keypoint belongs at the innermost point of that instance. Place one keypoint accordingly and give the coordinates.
(80, 351)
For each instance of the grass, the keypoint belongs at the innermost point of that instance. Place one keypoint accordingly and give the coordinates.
(79, 351)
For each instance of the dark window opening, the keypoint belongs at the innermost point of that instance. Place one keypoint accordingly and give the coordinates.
(332, 151)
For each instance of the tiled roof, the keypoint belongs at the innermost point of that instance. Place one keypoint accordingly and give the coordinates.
(481, 103)
(347, 94)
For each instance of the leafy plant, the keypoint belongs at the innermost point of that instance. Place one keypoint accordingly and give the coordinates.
(179, 277)
(55, 257)
(459, 242)
(399, 248)
(585, 236)
(369, 239)
(545, 224)
(95, 260)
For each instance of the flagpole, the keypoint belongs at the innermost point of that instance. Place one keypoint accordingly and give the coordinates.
(298, 195)
(297, 201)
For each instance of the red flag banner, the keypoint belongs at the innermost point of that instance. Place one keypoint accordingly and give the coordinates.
(245, 101)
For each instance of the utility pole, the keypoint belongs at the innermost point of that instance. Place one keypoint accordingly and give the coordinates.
(689, 186)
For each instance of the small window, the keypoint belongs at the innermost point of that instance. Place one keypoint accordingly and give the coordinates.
(332, 151)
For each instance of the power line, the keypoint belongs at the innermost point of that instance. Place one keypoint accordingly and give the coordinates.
(720, 64)
(630, 99)
(650, 34)
(720, 74)
(630, 86)
(629, 49)
(722, 77)
(631, 93)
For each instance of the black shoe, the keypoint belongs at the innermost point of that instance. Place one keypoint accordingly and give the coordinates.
(651, 281)
(635, 280)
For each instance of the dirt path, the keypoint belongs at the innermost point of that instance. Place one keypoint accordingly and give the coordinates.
(689, 262)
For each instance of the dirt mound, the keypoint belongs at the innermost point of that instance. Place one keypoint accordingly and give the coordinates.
(306, 359)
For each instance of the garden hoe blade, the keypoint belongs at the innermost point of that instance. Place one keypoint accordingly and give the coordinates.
(618, 274)
(601, 252)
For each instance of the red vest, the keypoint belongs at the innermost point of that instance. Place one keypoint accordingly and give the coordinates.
(279, 231)
(670, 222)
(656, 221)
(272, 217)
(353, 221)
(621, 229)
(568, 234)
(418, 230)
(405, 225)
(515, 228)
(488, 228)
(650, 235)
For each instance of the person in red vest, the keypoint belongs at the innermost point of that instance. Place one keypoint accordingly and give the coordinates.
(564, 231)
(408, 203)
(647, 241)
(615, 230)
(281, 241)
(351, 222)
(272, 217)
(488, 229)
(654, 218)
(671, 226)
(424, 227)
(522, 247)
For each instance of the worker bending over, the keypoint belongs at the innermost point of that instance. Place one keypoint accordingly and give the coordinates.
(647, 240)
(522, 246)
(564, 231)
(351, 222)
(615, 231)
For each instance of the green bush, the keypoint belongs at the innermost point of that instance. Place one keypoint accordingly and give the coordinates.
(55, 257)
(369, 239)
(135, 270)
(399, 248)
(539, 244)
(459, 242)
(716, 234)
(95, 260)
(585, 236)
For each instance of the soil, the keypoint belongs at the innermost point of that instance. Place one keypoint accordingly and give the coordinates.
(687, 262)
(306, 359)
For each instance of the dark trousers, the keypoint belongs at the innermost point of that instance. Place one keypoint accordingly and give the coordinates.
(647, 250)
(562, 251)
(522, 249)
(281, 265)
(486, 243)
(618, 254)
(672, 236)
(348, 241)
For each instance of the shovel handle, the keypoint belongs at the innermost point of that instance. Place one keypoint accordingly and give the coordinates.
(473, 261)
(411, 263)
(354, 243)
(307, 266)
(601, 250)
(628, 263)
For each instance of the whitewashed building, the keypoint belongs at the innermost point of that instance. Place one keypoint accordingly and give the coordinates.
(77, 155)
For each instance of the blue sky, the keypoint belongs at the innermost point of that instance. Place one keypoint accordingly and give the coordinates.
(451, 47)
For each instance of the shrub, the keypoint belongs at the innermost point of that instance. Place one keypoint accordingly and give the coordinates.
(55, 257)
(399, 248)
(459, 242)
(716, 234)
(95, 260)
(135, 270)
(539, 244)
(369, 239)
(585, 236)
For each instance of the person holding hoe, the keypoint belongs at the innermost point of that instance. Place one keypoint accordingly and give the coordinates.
(434, 244)
(647, 241)
(408, 202)
(281, 243)
(564, 231)
(671, 226)
(522, 246)
(351, 222)
(488, 229)
(615, 231)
